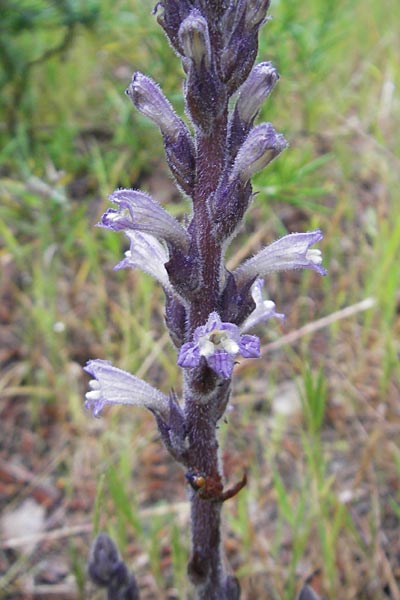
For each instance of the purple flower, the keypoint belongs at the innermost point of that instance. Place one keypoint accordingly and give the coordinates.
(289, 252)
(138, 211)
(264, 310)
(219, 343)
(115, 386)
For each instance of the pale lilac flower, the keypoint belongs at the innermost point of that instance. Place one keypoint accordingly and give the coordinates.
(148, 254)
(138, 211)
(289, 252)
(111, 385)
(264, 310)
(218, 343)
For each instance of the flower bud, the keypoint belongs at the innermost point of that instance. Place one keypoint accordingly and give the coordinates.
(256, 11)
(239, 28)
(170, 15)
(104, 556)
(255, 90)
(195, 40)
(238, 58)
(260, 147)
(148, 98)
(175, 318)
(205, 94)
(106, 569)
(181, 159)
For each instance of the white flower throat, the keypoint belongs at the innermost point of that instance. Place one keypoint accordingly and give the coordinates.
(218, 339)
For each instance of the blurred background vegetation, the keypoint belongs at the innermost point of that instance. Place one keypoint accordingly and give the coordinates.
(316, 422)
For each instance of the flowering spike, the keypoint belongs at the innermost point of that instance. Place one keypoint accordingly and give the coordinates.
(111, 385)
(209, 310)
(289, 252)
(218, 343)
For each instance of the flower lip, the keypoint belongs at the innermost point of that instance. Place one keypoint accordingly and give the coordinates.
(219, 343)
(264, 309)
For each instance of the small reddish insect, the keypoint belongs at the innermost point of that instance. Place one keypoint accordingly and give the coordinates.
(211, 488)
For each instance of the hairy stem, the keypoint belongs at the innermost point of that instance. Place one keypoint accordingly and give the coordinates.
(210, 162)
(202, 397)
(205, 569)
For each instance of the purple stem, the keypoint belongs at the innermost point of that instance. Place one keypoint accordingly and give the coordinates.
(202, 398)
(209, 161)
(205, 568)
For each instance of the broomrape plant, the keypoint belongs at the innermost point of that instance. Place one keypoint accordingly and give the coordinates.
(209, 310)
